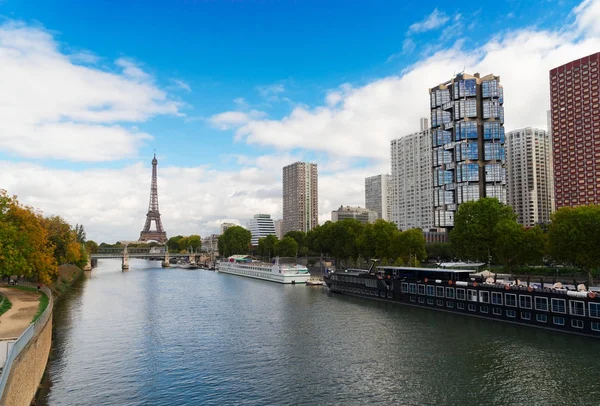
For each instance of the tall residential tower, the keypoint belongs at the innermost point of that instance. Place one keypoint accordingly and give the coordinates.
(378, 196)
(412, 194)
(574, 100)
(467, 124)
(529, 168)
(300, 197)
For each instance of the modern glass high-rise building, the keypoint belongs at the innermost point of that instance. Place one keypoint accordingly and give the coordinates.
(467, 132)
(261, 226)
(300, 197)
(575, 123)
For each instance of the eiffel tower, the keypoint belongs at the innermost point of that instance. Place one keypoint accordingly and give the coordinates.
(153, 214)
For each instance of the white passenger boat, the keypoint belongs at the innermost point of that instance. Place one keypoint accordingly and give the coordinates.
(282, 273)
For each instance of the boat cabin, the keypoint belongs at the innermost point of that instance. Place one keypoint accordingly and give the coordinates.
(399, 272)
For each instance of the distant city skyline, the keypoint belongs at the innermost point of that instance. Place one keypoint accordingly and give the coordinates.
(226, 109)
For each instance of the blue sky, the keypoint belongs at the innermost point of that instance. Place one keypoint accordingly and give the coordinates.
(239, 88)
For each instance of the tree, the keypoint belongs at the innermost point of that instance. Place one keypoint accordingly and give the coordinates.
(511, 245)
(473, 236)
(409, 246)
(194, 241)
(173, 243)
(439, 251)
(300, 238)
(286, 247)
(91, 246)
(574, 237)
(80, 233)
(377, 238)
(235, 240)
(266, 246)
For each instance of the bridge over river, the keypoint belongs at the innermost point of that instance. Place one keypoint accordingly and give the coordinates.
(154, 253)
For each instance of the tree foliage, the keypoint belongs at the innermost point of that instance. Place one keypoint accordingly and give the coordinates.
(574, 237)
(439, 251)
(266, 246)
(473, 236)
(91, 246)
(286, 247)
(235, 240)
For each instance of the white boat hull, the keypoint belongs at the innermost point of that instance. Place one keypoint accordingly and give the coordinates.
(265, 275)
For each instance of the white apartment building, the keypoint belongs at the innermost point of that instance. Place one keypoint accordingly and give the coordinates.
(261, 226)
(530, 179)
(378, 197)
(357, 213)
(412, 181)
(225, 226)
(279, 228)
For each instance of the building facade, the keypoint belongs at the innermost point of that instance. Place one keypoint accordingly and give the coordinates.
(467, 125)
(529, 173)
(412, 180)
(225, 226)
(261, 226)
(279, 228)
(378, 197)
(575, 123)
(300, 197)
(358, 213)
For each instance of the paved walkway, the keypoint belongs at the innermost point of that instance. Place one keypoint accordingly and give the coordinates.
(24, 306)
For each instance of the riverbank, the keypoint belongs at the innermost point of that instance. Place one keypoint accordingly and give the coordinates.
(68, 275)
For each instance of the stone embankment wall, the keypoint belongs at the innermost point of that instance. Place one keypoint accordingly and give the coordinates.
(28, 365)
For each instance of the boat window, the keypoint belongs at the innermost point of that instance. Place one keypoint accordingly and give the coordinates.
(450, 293)
(484, 296)
(559, 321)
(472, 295)
(430, 290)
(413, 288)
(595, 326)
(558, 306)
(525, 316)
(460, 294)
(440, 302)
(429, 301)
(525, 301)
(497, 298)
(472, 307)
(542, 318)
(421, 289)
(483, 309)
(421, 299)
(594, 309)
(541, 303)
(460, 306)
(450, 305)
(412, 299)
(576, 307)
(510, 299)
(404, 287)
(511, 313)
(577, 323)
(497, 311)
(439, 291)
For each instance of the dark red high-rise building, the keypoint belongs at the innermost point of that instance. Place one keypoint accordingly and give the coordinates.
(575, 104)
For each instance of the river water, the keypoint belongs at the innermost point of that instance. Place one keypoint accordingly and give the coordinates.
(155, 336)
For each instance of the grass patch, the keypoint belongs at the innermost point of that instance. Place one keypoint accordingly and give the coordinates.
(44, 300)
(6, 305)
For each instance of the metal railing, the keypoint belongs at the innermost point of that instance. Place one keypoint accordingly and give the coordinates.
(24, 339)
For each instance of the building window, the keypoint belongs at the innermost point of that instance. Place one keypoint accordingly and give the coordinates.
(541, 303)
(510, 299)
(525, 301)
(559, 321)
(542, 318)
(497, 298)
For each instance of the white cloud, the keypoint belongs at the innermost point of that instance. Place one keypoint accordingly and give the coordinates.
(233, 119)
(180, 85)
(361, 121)
(51, 107)
(432, 21)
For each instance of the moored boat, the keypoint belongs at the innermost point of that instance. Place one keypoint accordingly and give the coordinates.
(567, 308)
(242, 265)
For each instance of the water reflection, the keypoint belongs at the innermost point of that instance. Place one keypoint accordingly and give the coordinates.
(171, 336)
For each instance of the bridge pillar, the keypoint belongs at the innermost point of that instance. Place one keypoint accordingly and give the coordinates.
(166, 263)
(125, 265)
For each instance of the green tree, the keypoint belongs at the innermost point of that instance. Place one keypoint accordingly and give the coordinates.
(173, 243)
(286, 247)
(344, 237)
(80, 233)
(574, 237)
(510, 247)
(266, 246)
(409, 246)
(377, 238)
(300, 238)
(91, 246)
(473, 236)
(194, 241)
(439, 251)
(235, 240)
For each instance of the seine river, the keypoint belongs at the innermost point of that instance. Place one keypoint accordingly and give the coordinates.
(152, 336)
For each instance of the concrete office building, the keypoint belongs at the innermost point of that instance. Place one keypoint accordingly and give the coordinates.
(358, 213)
(575, 123)
(261, 226)
(529, 170)
(412, 181)
(378, 197)
(467, 124)
(300, 197)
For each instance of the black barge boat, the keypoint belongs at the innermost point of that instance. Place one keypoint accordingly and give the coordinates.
(567, 308)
